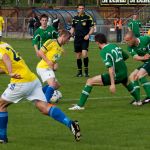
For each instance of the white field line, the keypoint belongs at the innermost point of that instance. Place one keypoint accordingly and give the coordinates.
(101, 98)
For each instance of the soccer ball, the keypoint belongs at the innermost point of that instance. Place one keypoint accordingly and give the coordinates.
(56, 97)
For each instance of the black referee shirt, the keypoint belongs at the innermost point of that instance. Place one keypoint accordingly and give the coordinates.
(82, 25)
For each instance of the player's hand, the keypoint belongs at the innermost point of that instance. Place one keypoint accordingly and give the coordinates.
(55, 66)
(37, 54)
(112, 88)
(14, 75)
(86, 37)
(146, 56)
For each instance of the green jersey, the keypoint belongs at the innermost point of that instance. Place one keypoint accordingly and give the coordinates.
(112, 56)
(41, 35)
(135, 26)
(142, 48)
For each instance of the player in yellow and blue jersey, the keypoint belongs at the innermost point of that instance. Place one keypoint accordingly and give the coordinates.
(50, 53)
(25, 84)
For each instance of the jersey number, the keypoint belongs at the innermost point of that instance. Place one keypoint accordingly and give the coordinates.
(16, 57)
(117, 53)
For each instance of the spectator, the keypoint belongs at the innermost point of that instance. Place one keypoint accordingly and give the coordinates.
(1, 25)
(134, 25)
(56, 23)
(32, 21)
(118, 29)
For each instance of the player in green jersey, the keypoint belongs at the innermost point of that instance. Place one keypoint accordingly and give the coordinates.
(113, 58)
(134, 25)
(138, 49)
(43, 33)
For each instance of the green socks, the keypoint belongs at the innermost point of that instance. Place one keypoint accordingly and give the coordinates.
(134, 89)
(146, 85)
(84, 95)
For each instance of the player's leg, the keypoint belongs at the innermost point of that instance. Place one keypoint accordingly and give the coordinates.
(85, 45)
(79, 64)
(143, 72)
(48, 76)
(78, 51)
(52, 85)
(94, 81)
(58, 115)
(51, 110)
(133, 86)
(3, 120)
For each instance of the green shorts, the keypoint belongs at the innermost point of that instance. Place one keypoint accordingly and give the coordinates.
(145, 66)
(106, 79)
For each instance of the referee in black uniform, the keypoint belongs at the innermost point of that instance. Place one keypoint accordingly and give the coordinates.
(82, 28)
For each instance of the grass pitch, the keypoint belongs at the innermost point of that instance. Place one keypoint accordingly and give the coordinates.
(109, 122)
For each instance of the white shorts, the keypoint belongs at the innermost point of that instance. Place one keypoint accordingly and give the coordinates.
(29, 90)
(0, 33)
(45, 74)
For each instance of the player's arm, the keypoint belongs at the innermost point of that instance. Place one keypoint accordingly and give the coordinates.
(72, 30)
(35, 42)
(43, 56)
(141, 58)
(8, 65)
(91, 24)
(129, 26)
(112, 87)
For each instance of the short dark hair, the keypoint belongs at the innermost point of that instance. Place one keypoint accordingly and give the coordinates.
(80, 5)
(101, 38)
(64, 32)
(43, 16)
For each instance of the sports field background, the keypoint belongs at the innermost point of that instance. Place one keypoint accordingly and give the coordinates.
(109, 122)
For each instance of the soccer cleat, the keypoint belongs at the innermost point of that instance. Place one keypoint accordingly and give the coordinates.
(137, 103)
(75, 129)
(86, 75)
(79, 74)
(146, 100)
(76, 107)
(3, 141)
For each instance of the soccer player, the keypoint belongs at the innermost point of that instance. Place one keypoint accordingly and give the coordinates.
(138, 48)
(134, 25)
(1, 25)
(25, 84)
(113, 57)
(43, 33)
(83, 27)
(50, 52)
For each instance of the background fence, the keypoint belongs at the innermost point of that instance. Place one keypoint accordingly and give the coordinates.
(18, 28)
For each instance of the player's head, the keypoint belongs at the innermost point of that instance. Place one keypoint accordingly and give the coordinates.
(135, 17)
(80, 8)
(100, 40)
(130, 38)
(64, 37)
(43, 20)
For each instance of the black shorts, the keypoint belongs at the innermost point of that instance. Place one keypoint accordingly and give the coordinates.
(106, 79)
(80, 45)
(145, 66)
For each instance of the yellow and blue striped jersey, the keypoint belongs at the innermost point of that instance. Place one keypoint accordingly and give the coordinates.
(52, 50)
(18, 64)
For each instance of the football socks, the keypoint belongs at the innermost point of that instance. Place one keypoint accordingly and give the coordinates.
(146, 85)
(3, 125)
(134, 89)
(84, 95)
(58, 115)
(49, 93)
